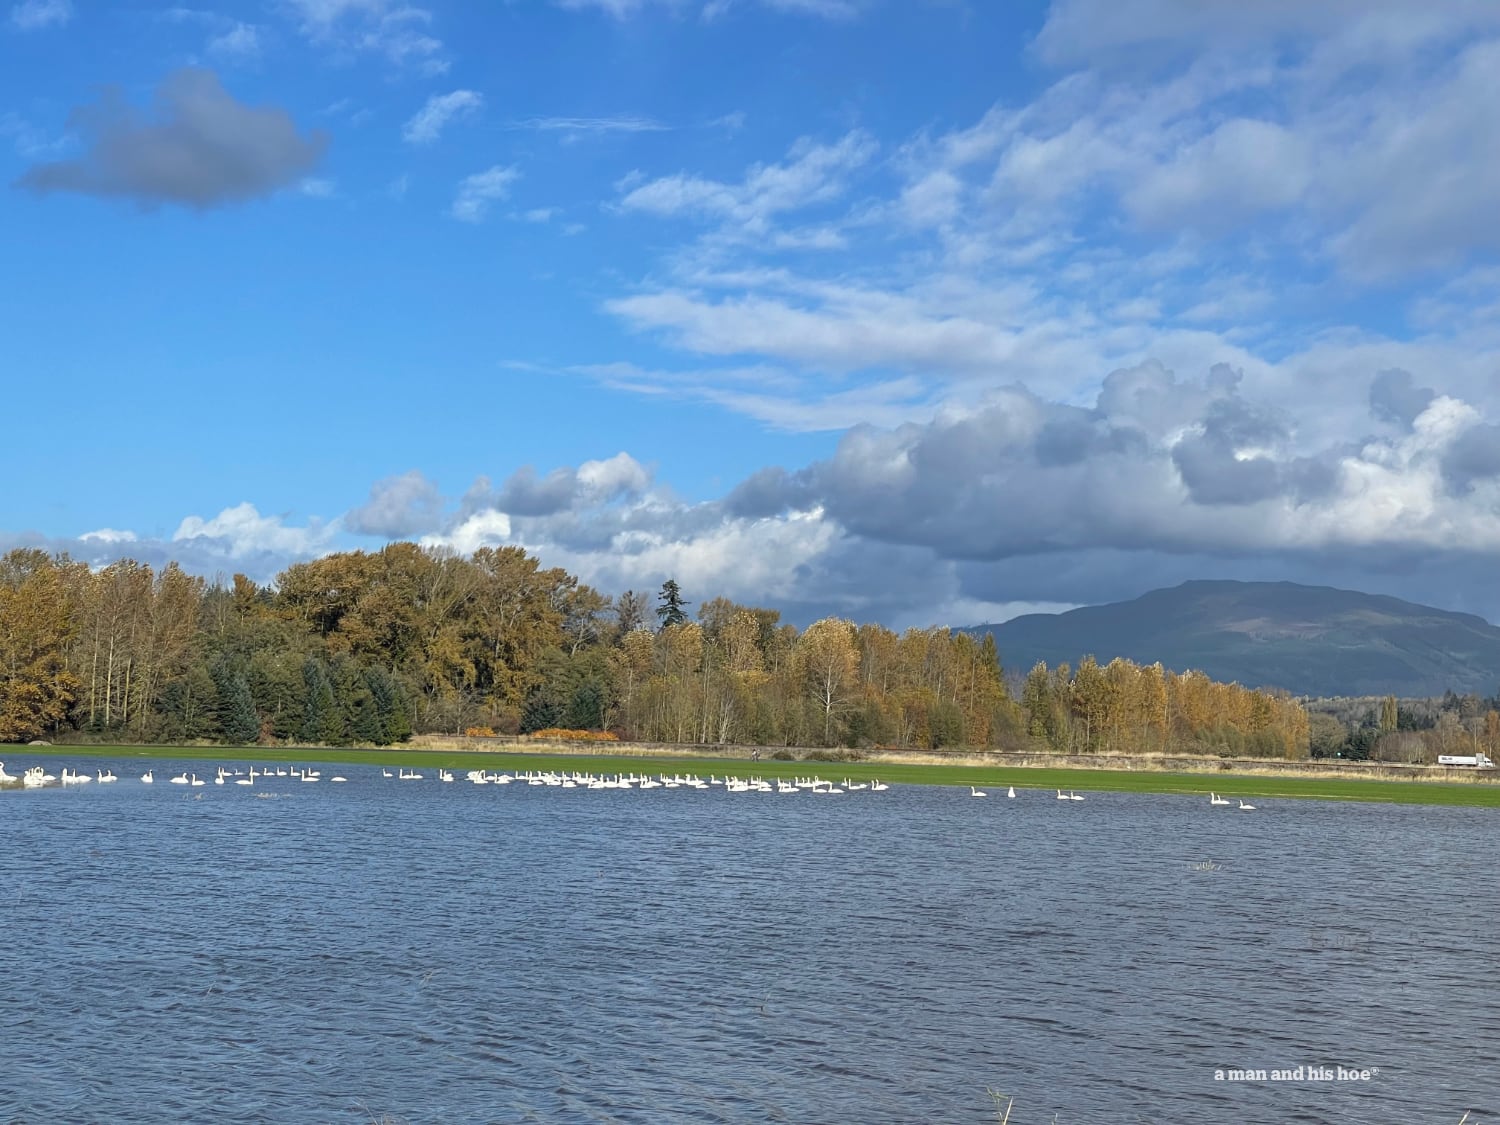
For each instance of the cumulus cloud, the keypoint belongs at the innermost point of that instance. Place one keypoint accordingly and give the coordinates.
(477, 192)
(427, 124)
(1394, 397)
(399, 507)
(241, 532)
(561, 490)
(201, 149)
(995, 509)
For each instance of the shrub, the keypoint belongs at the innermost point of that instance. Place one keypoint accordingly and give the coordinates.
(576, 735)
(479, 732)
(833, 756)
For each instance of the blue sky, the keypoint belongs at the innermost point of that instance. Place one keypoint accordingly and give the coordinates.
(919, 311)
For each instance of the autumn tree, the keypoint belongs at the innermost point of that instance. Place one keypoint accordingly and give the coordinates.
(36, 689)
(831, 660)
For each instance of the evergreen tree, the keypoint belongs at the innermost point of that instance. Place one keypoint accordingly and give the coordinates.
(321, 720)
(364, 719)
(237, 717)
(543, 709)
(670, 609)
(390, 706)
(189, 707)
(586, 707)
(990, 654)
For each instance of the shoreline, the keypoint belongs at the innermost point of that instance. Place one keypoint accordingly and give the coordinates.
(1165, 774)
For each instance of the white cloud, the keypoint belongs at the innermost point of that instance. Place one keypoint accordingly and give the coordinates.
(710, 10)
(398, 506)
(477, 192)
(239, 42)
(620, 474)
(622, 123)
(37, 15)
(29, 141)
(391, 28)
(427, 124)
(241, 531)
(482, 529)
(1241, 168)
(108, 535)
(812, 173)
(1094, 30)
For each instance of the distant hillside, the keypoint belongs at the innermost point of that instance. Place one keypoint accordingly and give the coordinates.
(1310, 640)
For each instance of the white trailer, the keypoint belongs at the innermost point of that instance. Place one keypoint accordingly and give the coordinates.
(1471, 761)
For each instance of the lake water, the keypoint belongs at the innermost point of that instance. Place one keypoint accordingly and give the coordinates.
(454, 953)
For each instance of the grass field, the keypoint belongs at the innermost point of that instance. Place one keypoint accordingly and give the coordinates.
(1476, 792)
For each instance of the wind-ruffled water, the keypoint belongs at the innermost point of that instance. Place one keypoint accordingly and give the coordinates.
(453, 953)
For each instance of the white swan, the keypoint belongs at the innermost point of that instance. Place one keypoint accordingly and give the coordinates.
(147, 778)
(1247, 808)
(194, 779)
(1061, 796)
(878, 787)
(3, 775)
(977, 792)
(106, 776)
(1072, 796)
(386, 773)
(1012, 792)
(335, 777)
(180, 779)
(1215, 799)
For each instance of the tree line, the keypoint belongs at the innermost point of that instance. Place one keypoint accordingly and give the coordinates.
(1388, 729)
(371, 647)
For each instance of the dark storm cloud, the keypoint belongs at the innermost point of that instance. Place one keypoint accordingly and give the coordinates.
(1473, 456)
(202, 149)
(768, 492)
(525, 494)
(1214, 475)
(1077, 435)
(1212, 465)
(1155, 462)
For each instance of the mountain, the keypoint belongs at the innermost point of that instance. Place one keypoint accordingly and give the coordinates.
(1310, 640)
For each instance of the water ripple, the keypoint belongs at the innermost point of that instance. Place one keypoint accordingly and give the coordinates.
(514, 954)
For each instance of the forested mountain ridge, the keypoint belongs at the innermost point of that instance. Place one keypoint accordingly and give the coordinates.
(371, 647)
(1309, 640)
